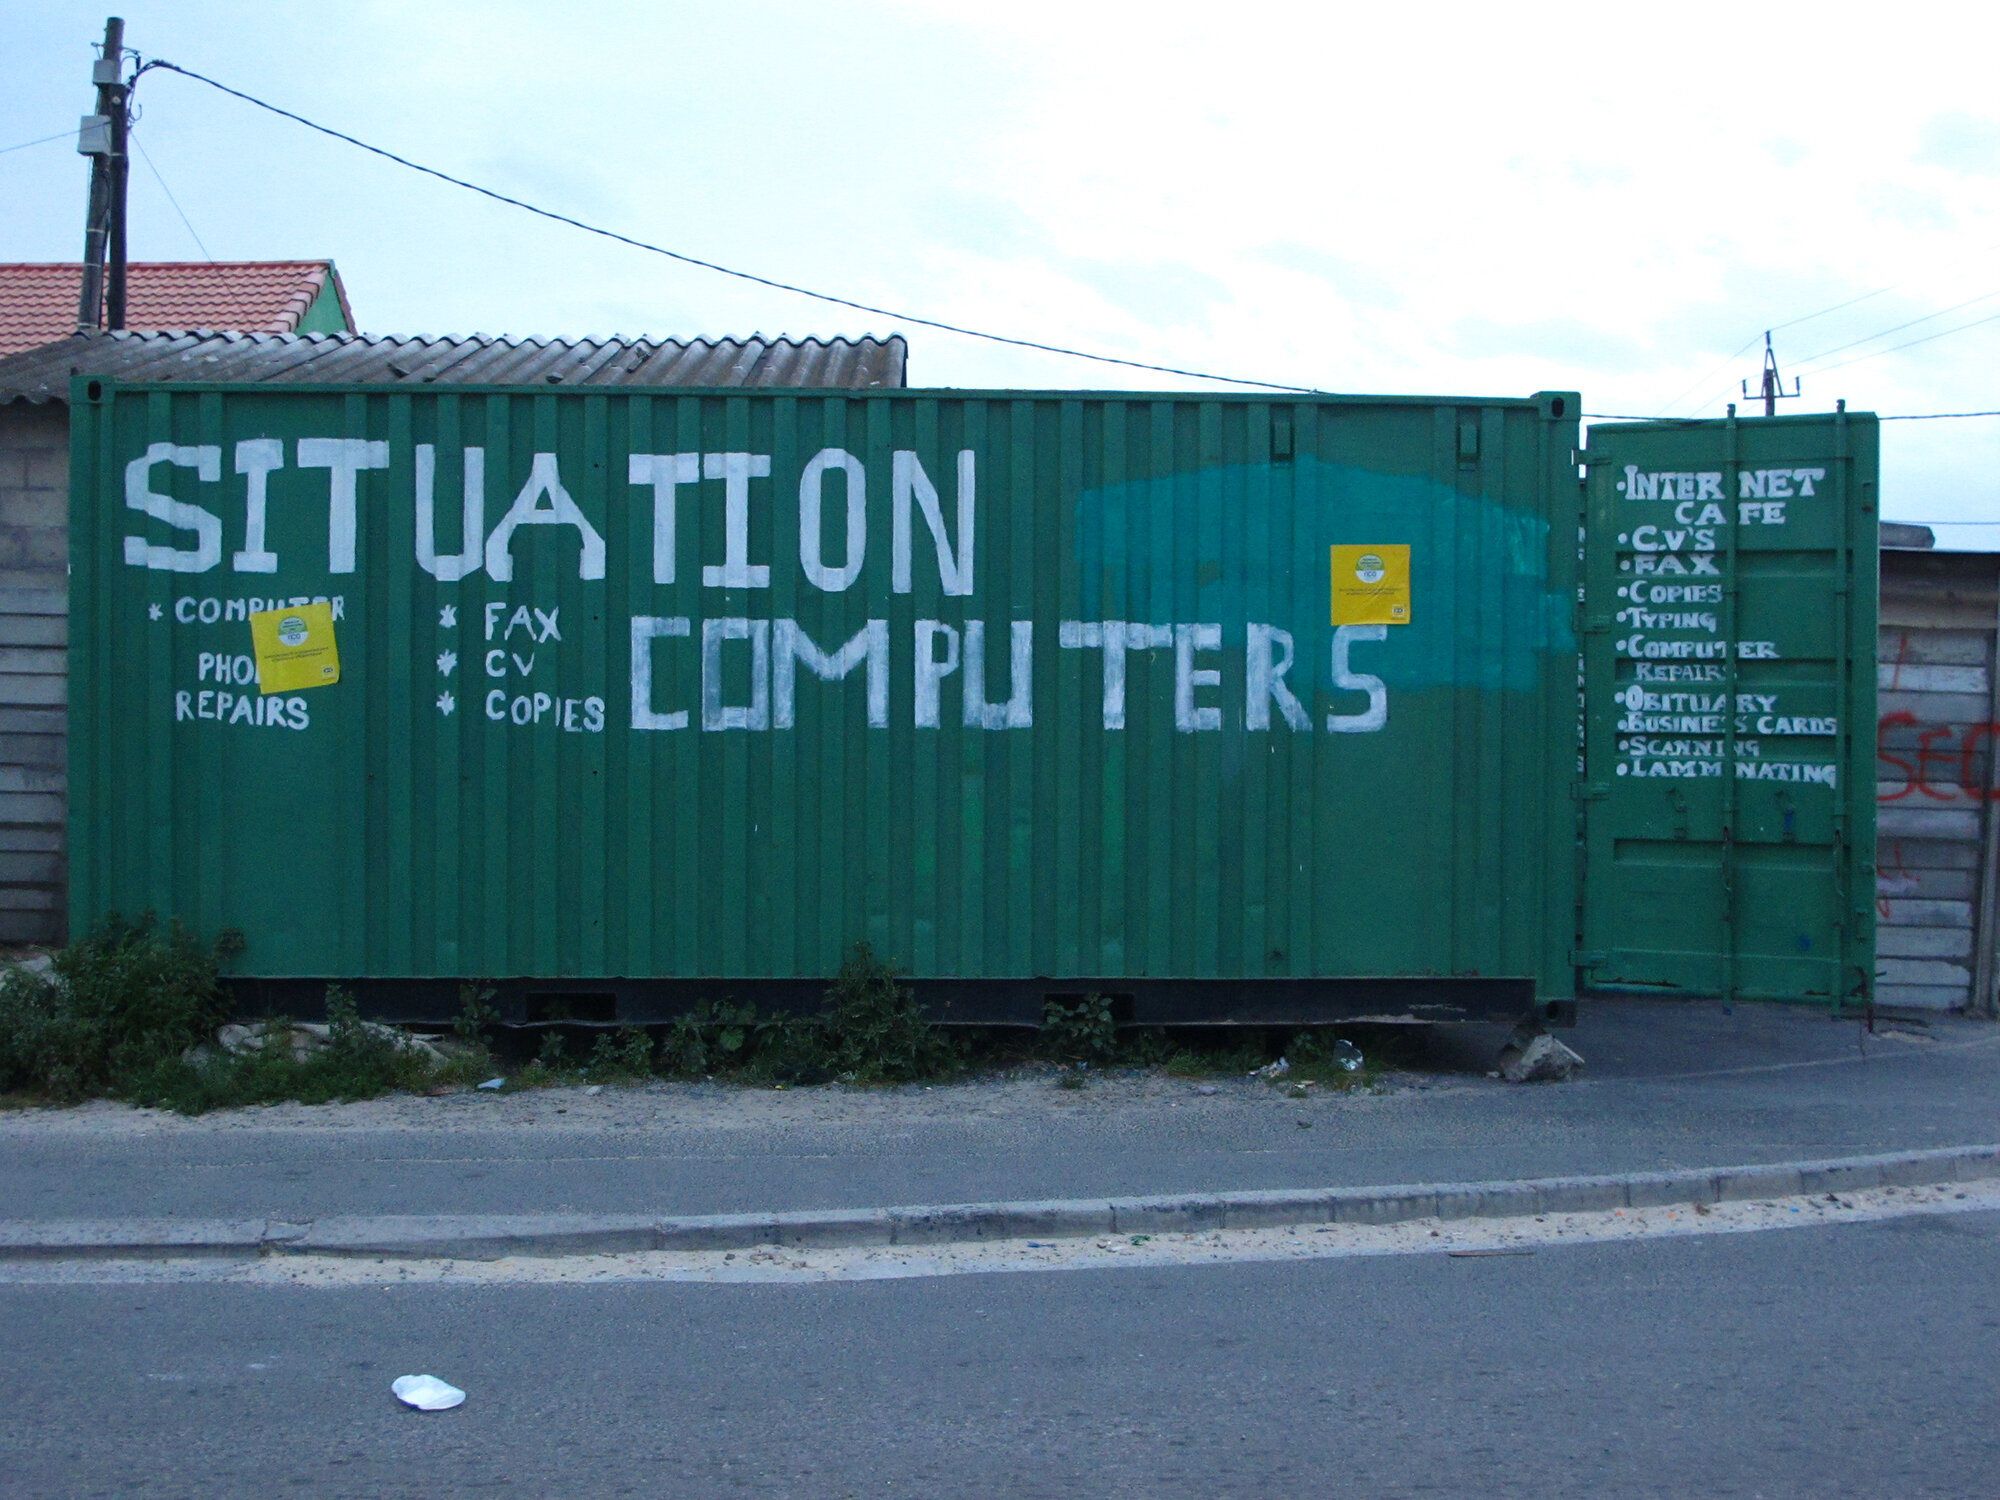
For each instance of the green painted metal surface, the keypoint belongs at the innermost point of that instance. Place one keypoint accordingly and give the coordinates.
(1729, 648)
(600, 733)
(326, 314)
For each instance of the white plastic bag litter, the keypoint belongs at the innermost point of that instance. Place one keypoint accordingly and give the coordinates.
(492, 1083)
(427, 1393)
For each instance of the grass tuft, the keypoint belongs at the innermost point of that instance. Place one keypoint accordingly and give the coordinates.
(131, 1012)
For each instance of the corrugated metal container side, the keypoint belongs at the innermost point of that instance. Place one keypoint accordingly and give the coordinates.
(1095, 721)
(34, 495)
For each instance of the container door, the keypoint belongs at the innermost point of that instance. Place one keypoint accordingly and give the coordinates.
(1728, 626)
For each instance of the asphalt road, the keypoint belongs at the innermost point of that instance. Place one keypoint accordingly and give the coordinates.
(1668, 1085)
(1825, 1362)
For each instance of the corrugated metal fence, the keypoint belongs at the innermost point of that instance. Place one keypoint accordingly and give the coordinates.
(1935, 814)
(34, 635)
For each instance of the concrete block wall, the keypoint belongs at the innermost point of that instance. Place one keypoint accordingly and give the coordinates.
(34, 640)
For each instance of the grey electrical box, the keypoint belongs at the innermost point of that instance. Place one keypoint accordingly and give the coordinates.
(93, 135)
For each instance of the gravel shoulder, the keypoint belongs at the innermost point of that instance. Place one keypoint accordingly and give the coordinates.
(1016, 1093)
(1666, 1087)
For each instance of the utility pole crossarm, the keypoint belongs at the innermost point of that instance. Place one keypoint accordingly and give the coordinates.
(1772, 386)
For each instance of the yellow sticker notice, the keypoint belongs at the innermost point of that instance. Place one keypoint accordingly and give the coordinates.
(1371, 585)
(295, 648)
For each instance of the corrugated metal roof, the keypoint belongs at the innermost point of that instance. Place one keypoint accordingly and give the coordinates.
(337, 358)
(1907, 534)
(38, 299)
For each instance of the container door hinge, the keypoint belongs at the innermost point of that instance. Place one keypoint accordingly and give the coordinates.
(1592, 457)
(1597, 625)
(1590, 959)
(1589, 791)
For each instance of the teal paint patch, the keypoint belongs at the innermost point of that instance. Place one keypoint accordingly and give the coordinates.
(1252, 544)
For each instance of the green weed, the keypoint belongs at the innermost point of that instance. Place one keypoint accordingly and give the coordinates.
(1079, 1030)
(709, 1039)
(1145, 1047)
(549, 1068)
(358, 1061)
(871, 1032)
(1231, 1060)
(476, 1019)
(1318, 1054)
(874, 1031)
(115, 1005)
(626, 1057)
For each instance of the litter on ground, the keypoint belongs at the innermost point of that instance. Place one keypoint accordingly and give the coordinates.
(426, 1393)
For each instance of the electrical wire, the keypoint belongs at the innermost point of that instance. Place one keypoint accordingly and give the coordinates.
(1857, 343)
(1876, 354)
(59, 135)
(1837, 307)
(1911, 416)
(981, 333)
(709, 265)
(1807, 318)
(143, 152)
(1669, 406)
(1774, 328)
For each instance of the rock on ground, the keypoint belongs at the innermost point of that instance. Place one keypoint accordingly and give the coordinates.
(1539, 1059)
(307, 1038)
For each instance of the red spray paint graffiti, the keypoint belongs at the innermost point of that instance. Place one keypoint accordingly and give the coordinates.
(1941, 770)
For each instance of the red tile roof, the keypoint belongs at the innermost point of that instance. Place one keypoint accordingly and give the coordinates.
(38, 301)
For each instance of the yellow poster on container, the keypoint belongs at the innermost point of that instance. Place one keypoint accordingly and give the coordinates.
(1371, 585)
(295, 648)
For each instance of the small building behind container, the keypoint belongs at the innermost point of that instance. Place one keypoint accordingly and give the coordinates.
(1938, 830)
(38, 299)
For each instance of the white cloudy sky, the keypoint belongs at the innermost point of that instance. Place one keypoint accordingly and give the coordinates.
(1440, 199)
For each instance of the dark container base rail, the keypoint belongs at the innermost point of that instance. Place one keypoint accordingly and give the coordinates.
(951, 1002)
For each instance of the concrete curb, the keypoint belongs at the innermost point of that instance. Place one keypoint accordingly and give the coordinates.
(492, 1237)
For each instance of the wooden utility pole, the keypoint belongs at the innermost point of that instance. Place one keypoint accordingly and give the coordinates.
(101, 302)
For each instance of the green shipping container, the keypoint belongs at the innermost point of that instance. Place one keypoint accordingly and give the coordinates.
(649, 697)
(1729, 708)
